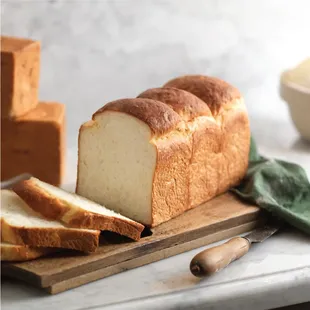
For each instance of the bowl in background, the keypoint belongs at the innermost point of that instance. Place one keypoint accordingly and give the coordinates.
(295, 90)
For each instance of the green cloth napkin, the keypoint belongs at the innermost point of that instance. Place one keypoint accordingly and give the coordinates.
(279, 187)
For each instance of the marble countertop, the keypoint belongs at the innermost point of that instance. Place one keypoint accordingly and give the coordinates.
(97, 51)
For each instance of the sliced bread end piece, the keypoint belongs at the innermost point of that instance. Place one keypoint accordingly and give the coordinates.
(57, 204)
(23, 226)
(12, 252)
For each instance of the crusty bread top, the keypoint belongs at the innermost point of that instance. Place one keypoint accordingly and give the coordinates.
(45, 112)
(14, 44)
(157, 115)
(187, 105)
(182, 99)
(213, 91)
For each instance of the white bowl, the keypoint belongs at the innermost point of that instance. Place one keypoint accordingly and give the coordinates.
(295, 90)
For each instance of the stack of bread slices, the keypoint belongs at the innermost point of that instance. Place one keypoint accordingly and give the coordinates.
(38, 218)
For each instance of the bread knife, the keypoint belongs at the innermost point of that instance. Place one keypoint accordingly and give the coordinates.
(10, 182)
(216, 258)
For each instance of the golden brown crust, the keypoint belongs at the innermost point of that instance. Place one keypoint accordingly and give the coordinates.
(200, 157)
(45, 112)
(157, 115)
(31, 141)
(14, 44)
(205, 161)
(20, 72)
(170, 193)
(187, 105)
(54, 208)
(82, 240)
(213, 91)
(22, 252)
(236, 146)
(40, 201)
(220, 148)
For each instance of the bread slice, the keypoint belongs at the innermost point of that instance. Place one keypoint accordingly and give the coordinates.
(57, 204)
(22, 226)
(13, 252)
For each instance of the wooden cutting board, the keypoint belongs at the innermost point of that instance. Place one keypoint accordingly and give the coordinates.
(218, 219)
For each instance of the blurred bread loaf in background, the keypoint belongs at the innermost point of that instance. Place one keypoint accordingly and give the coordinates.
(20, 70)
(32, 132)
(35, 143)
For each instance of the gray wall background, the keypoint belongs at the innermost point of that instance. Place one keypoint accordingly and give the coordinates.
(97, 51)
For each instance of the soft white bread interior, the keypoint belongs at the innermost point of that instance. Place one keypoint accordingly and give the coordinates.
(22, 226)
(153, 157)
(57, 204)
(117, 145)
(13, 252)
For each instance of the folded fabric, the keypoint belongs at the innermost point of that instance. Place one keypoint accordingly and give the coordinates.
(280, 187)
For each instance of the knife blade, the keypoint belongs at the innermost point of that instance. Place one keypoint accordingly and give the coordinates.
(10, 182)
(216, 258)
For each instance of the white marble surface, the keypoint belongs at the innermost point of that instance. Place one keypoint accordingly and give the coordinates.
(274, 273)
(97, 51)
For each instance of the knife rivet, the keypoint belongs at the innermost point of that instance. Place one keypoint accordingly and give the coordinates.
(195, 269)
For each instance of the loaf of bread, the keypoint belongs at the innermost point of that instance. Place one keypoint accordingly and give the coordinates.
(20, 70)
(154, 157)
(75, 211)
(13, 252)
(35, 143)
(21, 225)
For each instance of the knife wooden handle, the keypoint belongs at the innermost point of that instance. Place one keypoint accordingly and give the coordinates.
(214, 259)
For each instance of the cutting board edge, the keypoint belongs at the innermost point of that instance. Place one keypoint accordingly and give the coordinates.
(96, 275)
(13, 271)
(148, 247)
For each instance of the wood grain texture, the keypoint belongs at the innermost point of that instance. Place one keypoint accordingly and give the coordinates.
(220, 218)
(149, 258)
(215, 259)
